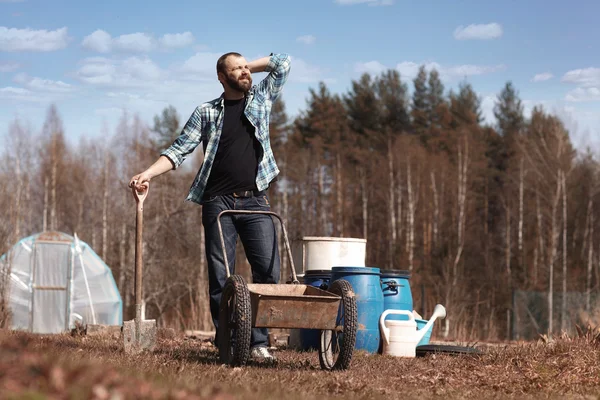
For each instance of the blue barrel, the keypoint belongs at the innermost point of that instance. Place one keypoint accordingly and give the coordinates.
(397, 295)
(309, 338)
(369, 299)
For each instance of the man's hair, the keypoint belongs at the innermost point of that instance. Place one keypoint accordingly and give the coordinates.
(221, 61)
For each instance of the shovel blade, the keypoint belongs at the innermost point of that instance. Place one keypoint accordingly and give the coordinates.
(135, 341)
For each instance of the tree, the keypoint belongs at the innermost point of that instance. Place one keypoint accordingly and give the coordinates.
(465, 107)
(395, 121)
(53, 156)
(420, 105)
(508, 111)
(363, 110)
(550, 155)
(166, 128)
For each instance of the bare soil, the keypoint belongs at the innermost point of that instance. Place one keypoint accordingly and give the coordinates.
(95, 367)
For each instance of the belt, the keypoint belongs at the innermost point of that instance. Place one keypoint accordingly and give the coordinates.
(249, 193)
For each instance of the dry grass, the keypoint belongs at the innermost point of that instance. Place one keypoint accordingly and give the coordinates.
(84, 367)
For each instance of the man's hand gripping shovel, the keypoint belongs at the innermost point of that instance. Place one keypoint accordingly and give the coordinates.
(139, 335)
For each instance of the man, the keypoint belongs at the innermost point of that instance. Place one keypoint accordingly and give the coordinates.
(238, 167)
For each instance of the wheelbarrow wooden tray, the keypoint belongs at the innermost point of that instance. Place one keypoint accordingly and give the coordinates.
(293, 306)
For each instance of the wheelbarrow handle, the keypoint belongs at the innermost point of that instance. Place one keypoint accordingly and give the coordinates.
(270, 213)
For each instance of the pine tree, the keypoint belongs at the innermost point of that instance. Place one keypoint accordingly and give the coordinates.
(508, 111)
(166, 128)
(465, 106)
(394, 101)
(420, 105)
(364, 111)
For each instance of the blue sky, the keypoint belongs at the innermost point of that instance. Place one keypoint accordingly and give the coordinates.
(94, 59)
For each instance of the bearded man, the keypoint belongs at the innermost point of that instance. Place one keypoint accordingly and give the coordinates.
(237, 170)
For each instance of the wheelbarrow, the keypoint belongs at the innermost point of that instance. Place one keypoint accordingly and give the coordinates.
(286, 306)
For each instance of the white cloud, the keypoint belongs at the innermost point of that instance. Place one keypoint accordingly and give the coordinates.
(131, 72)
(202, 65)
(176, 40)
(478, 31)
(141, 68)
(371, 67)
(135, 42)
(583, 125)
(369, 2)
(583, 94)
(306, 39)
(410, 69)
(110, 112)
(583, 77)
(42, 85)
(139, 42)
(12, 94)
(13, 39)
(99, 41)
(307, 73)
(14, 90)
(487, 107)
(544, 76)
(8, 66)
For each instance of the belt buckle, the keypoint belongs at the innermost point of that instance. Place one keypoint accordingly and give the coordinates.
(244, 194)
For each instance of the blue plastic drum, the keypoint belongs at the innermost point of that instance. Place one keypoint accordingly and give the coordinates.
(369, 299)
(397, 295)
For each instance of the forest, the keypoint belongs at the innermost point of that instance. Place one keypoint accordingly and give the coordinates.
(485, 215)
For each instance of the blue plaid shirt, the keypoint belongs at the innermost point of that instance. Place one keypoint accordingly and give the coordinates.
(206, 123)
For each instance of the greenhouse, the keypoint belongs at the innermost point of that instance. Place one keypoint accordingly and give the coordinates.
(55, 282)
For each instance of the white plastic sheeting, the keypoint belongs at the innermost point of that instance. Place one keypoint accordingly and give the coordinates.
(56, 280)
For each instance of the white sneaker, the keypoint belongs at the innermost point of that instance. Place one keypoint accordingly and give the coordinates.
(261, 353)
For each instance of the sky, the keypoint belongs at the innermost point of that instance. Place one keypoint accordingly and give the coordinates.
(95, 60)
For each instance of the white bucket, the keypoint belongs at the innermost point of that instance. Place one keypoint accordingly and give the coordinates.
(313, 253)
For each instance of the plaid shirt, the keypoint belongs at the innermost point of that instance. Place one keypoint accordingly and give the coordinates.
(206, 123)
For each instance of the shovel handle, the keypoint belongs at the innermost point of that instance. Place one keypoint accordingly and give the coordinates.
(140, 196)
(139, 228)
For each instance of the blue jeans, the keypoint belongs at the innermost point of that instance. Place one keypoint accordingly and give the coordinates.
(257, 233)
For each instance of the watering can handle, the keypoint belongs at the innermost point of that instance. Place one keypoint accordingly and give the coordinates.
(385, 331)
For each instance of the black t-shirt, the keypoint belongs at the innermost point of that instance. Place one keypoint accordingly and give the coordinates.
(236, 162)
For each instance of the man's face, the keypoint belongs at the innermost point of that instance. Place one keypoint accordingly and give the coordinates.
(237, 74)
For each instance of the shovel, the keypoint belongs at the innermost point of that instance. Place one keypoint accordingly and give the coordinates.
(139, 335)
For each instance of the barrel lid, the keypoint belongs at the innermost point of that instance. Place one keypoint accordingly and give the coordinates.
(357, 270)
(395, 273)
(318, 272)
(332, 239)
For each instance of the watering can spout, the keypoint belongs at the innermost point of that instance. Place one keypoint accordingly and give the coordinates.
(439, 311)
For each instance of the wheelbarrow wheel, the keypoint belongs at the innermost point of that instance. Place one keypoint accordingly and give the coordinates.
(235, 322)
(337, 346)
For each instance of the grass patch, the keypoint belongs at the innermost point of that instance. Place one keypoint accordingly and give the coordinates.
(84, 367)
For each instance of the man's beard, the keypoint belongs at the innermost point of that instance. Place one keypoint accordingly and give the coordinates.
(240, 86)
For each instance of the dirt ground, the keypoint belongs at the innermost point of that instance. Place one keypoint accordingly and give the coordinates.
(95, 367)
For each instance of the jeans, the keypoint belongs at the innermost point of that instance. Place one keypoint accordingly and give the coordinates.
(257, 233)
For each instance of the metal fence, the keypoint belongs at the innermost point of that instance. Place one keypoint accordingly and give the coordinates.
(530, 316)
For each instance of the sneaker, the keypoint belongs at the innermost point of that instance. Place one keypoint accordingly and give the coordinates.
(262, 353)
